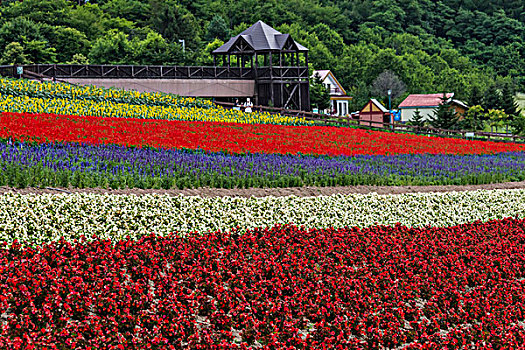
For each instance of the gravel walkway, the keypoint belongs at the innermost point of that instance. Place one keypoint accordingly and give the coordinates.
(262, 192)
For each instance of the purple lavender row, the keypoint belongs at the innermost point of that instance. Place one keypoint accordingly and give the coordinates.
(199, 168)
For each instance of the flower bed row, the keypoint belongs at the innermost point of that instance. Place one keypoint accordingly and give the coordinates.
(111, 166)
(31, 88)
(25, 104)
(278, 288)
(44, 218)
(232, 137)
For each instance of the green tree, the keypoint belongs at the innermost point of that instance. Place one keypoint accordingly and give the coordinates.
(205, 57)
(113, 48)
(473, 119)
(88, 19)
(217, 29)
(152, 50)
(509, 105)
(132, 10)
(415, 73)
(508, 102)
(360, 96)
(18, 30)
(14, 54)
(518, 124)
(417, 119)
(330, 38)
(352, 68)
(451, 79)
(39, 51)
(239, 28)
(404, 43)
(476, 96)
(384, 60)
(53, 12)
(496, 118)
(78, 59)
(464, 46)
(67, 42)
(319, 94)
(174, 22)
(493, 98)
(445, 117)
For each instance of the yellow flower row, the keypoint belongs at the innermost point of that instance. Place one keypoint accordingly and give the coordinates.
(48, 89)
(25, 104)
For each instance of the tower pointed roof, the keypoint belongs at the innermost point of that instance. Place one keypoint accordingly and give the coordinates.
(260, 37)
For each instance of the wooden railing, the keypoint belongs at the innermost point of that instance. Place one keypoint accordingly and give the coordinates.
(63, 71)
(131, 72)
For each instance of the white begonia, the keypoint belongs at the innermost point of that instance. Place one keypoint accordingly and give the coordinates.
(47, 217)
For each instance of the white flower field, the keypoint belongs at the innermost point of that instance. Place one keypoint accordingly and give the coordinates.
(44, 218)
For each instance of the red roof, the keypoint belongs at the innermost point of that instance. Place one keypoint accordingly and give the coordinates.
(425, 100)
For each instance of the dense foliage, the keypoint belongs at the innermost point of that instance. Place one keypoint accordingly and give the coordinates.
(277, 288)
(472, 48)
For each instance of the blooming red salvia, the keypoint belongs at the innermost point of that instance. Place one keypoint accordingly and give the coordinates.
(233, 138)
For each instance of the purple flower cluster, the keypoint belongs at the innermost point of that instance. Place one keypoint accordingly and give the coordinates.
(112, 160)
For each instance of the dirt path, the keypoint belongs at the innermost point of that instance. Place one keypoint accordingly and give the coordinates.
(278, 192)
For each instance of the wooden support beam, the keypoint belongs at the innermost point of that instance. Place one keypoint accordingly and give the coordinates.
(271, 79)
(281, 99)
(291, 96)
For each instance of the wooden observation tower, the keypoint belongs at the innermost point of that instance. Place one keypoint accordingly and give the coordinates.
(278, 64)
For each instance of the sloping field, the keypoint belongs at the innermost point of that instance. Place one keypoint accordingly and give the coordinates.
(90, 268)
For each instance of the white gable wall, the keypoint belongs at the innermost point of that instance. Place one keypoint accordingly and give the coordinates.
(408, 113)
(337, 107)
(330, 83)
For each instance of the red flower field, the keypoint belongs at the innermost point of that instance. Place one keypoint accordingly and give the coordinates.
(284, 287)
(234, 138)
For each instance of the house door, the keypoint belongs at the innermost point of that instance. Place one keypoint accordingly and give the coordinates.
(344, 108)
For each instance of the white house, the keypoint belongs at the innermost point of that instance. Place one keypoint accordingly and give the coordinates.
(338, 98)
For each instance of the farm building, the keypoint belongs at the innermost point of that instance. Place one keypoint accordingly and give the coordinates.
(374, 114)
(426, 104)
(338, 98)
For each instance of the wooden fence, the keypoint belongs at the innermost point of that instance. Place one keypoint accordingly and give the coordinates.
(323, 119)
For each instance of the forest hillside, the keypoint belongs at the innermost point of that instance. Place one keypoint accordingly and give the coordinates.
(470, 47)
